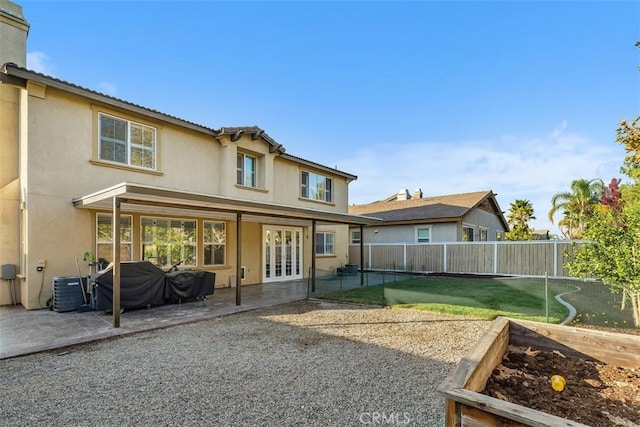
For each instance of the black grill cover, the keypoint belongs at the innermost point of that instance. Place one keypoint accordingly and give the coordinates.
(141, 284)
(189, 284)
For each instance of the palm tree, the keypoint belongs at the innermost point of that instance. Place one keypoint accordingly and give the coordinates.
(576, 205)
(520, 213)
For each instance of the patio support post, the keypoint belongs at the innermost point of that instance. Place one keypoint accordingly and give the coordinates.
(313, 255)
(361, 255)
(238, 256)
(115, 224)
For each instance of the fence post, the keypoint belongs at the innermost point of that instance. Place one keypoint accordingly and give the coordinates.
(406, 267)
(495, 257)
(444, 258)
(555, 259)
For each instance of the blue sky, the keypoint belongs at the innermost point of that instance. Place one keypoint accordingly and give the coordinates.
(516, 97)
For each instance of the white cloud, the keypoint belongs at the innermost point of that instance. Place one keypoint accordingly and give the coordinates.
(107, 88)
(513, 166)
(41, 63)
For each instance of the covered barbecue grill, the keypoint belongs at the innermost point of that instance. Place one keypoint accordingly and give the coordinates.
(188, 284)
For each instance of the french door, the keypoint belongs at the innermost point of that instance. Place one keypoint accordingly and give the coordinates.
(282, 253)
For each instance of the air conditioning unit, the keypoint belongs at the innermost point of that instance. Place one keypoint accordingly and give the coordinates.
(67, 293)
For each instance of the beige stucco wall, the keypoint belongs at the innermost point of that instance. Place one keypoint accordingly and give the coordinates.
(9, 184)
(329, 263)
(60, 137)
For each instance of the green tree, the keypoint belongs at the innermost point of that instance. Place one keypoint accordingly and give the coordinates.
(577, 206)
(520, 213)
(612, 251)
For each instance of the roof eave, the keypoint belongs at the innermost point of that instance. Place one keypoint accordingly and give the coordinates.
(13, 70)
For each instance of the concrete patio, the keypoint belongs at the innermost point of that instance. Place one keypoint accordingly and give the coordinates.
(29, 331)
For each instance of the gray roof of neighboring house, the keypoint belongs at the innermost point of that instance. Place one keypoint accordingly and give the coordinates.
(14, 74)
(445, 208)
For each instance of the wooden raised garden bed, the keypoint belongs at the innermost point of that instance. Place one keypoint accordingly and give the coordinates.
(507, 340)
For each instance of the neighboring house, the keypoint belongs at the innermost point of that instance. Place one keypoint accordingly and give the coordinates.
(227, 200)
(412, 218)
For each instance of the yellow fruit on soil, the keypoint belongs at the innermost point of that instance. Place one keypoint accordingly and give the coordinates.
(558, 382)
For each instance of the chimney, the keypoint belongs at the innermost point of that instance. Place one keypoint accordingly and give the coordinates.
(13, 33)
(403, 195)
(417, 193)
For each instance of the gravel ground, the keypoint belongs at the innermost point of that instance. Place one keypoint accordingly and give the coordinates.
(301, 364)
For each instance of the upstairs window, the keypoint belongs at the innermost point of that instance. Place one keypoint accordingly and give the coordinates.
(324, 243)
(246, 170)
(126, 142)
(316, 187)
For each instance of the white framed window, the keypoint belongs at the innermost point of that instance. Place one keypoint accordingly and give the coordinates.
(467, 233)
(356, 237)
(168, 241)
(484, 234)
(246, 170)
(104, 239)
(499, 236)
(423, 234)
(316, 187)
(215, 243)
(324, 243)
(126, 142)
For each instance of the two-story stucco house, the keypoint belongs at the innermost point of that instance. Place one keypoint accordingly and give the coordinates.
(413, 218)
(75, 165)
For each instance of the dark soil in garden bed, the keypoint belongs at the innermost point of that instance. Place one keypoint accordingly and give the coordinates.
(595, 394)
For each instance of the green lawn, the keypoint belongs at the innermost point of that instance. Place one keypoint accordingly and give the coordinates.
(485, 298)
(598, 306)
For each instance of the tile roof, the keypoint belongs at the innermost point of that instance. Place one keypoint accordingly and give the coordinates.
(427, 208)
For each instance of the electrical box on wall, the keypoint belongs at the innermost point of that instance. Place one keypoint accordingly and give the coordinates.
(8, 272)
(41, 264)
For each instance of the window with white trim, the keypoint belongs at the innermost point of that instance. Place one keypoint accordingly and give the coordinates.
(126, 142)
(215, 243)
(484, 234)
(168, 241)
(104, 239)
(467, 234)
(316, 187)
(324, 243)
(246, 170)
(499, 236)
(423, 234)
(356, 237)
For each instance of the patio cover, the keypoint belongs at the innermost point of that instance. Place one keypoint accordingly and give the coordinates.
(150, 199)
